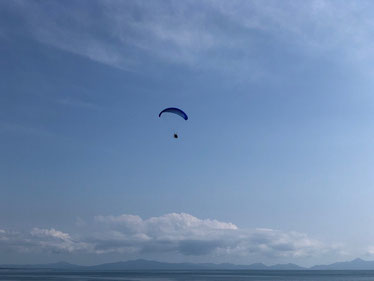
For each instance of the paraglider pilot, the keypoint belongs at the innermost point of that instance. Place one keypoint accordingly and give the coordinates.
(176, 111)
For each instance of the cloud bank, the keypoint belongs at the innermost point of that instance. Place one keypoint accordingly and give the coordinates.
(176, 233)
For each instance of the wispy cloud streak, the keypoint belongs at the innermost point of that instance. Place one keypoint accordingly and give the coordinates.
(198, 33)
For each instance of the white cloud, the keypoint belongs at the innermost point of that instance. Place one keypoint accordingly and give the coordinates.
(370, 251)
(170, 223)
(54, 240)
(50, 233)
(171, 234)
(40, 240)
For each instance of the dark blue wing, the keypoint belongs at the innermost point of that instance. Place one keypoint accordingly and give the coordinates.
(175, 111)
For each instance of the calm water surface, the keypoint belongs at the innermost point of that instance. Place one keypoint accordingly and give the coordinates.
(205, 275)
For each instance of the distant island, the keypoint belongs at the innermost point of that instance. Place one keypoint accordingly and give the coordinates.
(141, 264)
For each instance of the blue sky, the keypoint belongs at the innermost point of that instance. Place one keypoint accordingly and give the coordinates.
(274, 164)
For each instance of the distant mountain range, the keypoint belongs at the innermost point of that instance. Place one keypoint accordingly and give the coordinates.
(357, 264)
(141, 264)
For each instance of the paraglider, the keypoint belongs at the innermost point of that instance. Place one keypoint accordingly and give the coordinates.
(176, 111)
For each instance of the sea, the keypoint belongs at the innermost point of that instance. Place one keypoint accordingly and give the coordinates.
(193, 275)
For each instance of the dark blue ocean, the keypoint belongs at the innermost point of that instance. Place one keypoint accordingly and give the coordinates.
(206, 275)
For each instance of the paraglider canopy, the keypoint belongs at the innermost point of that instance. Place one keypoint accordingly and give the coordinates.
(175, 110)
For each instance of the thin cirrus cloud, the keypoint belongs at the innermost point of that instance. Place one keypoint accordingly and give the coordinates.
(72, 102)
(178, 233)
(203, 34)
